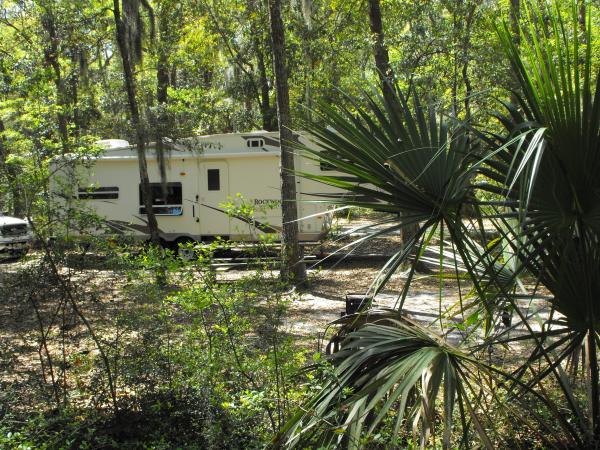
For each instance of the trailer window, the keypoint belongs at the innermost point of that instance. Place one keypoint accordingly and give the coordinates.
(255, 143)
(165, 202)
(214, 179)
(98, 193)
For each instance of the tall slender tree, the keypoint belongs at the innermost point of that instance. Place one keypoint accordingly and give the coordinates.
(515, 15)
(293, 268)
(168, 17)
(386, 78)
(127, 23)
(260, 47)
(380, 52)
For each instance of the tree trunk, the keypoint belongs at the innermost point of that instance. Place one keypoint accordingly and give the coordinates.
(162, 85)
(260, 46)
(454, 65)
(386, 77)
(308, 56)
(466, 60)
(293, 269)
(162, 98)
(269, 119)
(77, 63)
(130, 86)
(162, 77)
(380, 52)
(592, 358)
(581, 19)
(51, 57)
(15, 205)
(3, 168)
(515, 15)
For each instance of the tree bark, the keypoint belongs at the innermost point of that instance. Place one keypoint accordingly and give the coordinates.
(592, 357)
(130, 86)
(466, 59)
(515, 15)
(3, 168)
(162, 78)
(269, 117)
(15, 206)
(386, 77)
(260, 46)
(293, 269)
(380, 52)
(162, 85)
(308, 56)
(581, 19)
(162, 96)
(454, 65)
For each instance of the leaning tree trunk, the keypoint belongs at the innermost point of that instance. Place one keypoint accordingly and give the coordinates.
(386, 77)
(592, 357)
(293, 268)
(123, 42)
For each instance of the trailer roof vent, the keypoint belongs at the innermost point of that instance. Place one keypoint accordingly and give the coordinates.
(112, 143)
(255, 143)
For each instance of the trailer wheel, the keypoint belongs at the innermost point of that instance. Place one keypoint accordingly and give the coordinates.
(183, 250)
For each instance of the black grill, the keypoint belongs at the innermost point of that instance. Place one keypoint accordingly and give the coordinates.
(14, 230)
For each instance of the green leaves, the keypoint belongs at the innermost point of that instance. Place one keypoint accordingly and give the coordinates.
(401, 159)
(392, 368)
(554, 171)
(539, 179)
(395, 158)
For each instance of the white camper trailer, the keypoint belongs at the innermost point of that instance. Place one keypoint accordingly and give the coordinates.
(203, 174)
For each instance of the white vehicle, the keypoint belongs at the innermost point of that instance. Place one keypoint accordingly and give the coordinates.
(15, 237)
(204, 174)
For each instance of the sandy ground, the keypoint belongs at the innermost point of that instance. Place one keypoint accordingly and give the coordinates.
(308, 316)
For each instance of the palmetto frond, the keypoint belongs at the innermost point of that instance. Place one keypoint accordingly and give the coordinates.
(542, 172)
(411, 163)
(558, 187)
(399, 160)
(392, 366)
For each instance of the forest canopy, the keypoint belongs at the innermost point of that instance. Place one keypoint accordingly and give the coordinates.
(205, 66)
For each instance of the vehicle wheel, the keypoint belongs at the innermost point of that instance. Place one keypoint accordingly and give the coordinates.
(183, 249)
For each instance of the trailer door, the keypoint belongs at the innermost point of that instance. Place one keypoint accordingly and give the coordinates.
(213, 191)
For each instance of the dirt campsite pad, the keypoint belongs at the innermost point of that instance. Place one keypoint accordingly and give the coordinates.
(307, 318)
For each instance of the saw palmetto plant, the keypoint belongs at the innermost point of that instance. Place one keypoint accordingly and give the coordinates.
(513, 216)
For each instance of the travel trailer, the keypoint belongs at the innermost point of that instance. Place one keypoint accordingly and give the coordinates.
(204, 175)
